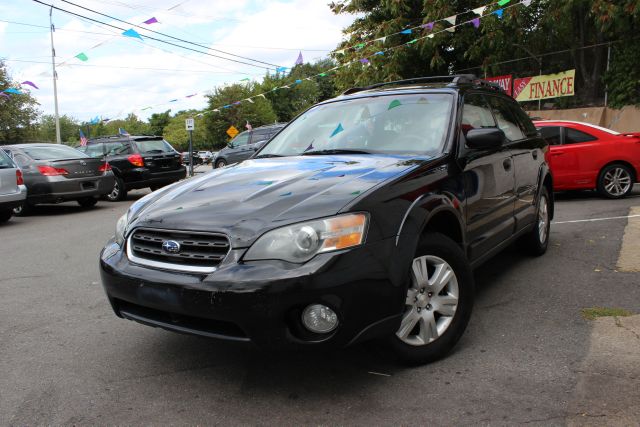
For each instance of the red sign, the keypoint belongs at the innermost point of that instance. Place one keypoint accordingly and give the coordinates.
(503, 81)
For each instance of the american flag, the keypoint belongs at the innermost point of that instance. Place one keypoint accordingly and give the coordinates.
(83, 139)
(248, 125)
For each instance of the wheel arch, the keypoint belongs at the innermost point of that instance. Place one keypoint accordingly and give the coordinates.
(620, 162)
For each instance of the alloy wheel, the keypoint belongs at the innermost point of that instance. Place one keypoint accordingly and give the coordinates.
(617, 181)
(543, 219)
(431, 303)
(115, 192)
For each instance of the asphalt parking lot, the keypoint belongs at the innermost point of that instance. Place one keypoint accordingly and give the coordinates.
(66, 359)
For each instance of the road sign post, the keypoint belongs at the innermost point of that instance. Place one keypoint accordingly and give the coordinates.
(190, 125)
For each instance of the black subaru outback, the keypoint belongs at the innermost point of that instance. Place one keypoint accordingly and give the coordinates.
(362, 219)
(137, 162)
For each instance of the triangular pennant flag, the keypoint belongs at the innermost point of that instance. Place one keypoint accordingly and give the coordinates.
(381, 39)
(191, 96)
(216, 110)
(412, 41)
(322, 74)
(151, 21)
(249, 100)
(145, 108)
(407, 31)
(298, 81)
(132, 33)
(451, 29)
(395, 103)
(359, 45)
(364, 61)
(199, 114)
(479, 10)
(262, 95)
(173, 100)
(503, 2)
(32, 84)
(379, 53)
(340, 52)
(499, 13)
(281, 69)
(526, 2)
(246, 79)
(12, 90)
(82, 57)
(430, 36)
(237, 103)
(300, 60)
(428, 26)
(452, 19)
(337, 130)
(475, 22)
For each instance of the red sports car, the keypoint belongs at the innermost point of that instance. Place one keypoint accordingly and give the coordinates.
(584, 156)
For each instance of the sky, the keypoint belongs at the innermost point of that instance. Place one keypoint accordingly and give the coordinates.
(124, 74)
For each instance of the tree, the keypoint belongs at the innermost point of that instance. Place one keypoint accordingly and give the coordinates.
(18, 113)
(158, 121)
(257, 113)
(177, 135)
(132, 124)
(46, 128)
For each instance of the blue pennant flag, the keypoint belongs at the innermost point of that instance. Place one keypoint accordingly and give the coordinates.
(499, 13)
(132, 33)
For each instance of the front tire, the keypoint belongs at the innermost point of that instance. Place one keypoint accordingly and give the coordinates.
(221, 163)
(615, 181)
(438, 303)
(23, 210)
(118, 192)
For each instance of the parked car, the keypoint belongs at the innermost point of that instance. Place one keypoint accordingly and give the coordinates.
(588, 157)
(138, 161)
(245, 144)
(56, 173)
(13, 192)
(361, 219)
(205, 156)
(185, 158)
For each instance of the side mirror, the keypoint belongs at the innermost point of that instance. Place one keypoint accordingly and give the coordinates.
(485, 138)
(230, 144)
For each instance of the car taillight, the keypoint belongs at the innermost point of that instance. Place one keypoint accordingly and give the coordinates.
(136, 160)
(51, 171)
(19, 179)
(104, 167)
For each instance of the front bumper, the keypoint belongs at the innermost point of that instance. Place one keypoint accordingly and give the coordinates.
(262, 301)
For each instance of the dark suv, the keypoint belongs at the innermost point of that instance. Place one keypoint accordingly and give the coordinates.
(361, 219)
(137, 162)
(245, 144)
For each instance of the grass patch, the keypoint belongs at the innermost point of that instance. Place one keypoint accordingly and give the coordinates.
(593, 313)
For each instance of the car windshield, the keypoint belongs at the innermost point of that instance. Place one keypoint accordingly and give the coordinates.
(153, 146)
(405, 124)
(52, 152)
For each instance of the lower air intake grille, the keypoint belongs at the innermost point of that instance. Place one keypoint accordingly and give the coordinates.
(178, 250)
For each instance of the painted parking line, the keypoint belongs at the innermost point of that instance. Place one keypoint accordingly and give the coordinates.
(596, 219)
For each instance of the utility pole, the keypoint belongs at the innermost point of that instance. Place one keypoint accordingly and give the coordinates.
(55, 77)
(190, 126)
(606, 88)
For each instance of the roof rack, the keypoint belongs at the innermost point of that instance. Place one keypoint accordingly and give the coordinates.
(122, 136)
(452, 80)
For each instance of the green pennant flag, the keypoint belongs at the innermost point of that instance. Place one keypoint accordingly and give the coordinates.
(359, 45)
(412, 41)
(503, 2)
(82, 57)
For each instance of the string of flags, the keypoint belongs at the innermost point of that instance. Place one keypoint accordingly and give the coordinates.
(453, 21)
(6, 93)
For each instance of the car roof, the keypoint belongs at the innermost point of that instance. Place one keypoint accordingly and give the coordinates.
(123, 138)
(560, 122)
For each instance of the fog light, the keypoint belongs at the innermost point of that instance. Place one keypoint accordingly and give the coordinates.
(319, 318)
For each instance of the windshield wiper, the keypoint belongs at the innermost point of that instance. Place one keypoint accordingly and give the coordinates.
(266, 156)
(333, 151)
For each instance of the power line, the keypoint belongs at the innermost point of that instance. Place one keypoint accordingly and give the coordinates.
(168, 35)
(152, 38)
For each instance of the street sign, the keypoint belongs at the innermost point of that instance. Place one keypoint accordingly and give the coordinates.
(232, 131)
(190, 124)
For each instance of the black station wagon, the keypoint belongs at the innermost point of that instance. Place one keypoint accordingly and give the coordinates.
(361, 219)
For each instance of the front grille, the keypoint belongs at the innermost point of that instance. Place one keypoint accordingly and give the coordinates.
(199, 252)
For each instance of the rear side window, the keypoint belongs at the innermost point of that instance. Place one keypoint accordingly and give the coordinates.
(506, 118)
(21, 160)
(153, 146)
(5, 161)
(476, 113)
(259, 135)
(574, 136)
(551, 134)
(94, 150)
(242, 139)
(52, 152)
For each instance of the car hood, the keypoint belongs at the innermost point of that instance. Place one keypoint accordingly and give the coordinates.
(247, 199)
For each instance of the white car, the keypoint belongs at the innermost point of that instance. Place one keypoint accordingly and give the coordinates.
(12, 189)
(206, 156)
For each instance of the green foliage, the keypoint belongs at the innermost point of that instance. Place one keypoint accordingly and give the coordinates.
(132, 124)
(158, 121)
(177, 135)
(46, 129)
(258, 113)
(17, 114)
(623, 78)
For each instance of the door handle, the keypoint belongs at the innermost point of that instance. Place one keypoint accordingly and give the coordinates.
(506, 164)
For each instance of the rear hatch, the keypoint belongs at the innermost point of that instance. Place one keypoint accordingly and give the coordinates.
(158, 154)
(8, 181)
(79, 168)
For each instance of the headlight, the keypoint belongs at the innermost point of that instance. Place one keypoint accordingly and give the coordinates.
(121, 228)
(300, 242)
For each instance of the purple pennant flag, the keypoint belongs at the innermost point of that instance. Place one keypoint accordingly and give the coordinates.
(174, 100)
(428, 26)
(299, 61)
(364, 60)
(475, 22)
(151, 21)
(32, 84)
(190, 96)
(5, 95)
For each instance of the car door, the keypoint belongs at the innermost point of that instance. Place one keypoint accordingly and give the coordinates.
(488, 180)
(526, 148)
(238, 147)
(576, 160)
(8, 182)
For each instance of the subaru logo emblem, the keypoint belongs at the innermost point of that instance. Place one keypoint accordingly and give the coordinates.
(171, 246)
